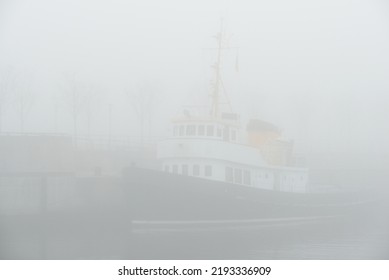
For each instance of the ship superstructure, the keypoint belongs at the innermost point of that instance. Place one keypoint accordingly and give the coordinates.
(216, 146)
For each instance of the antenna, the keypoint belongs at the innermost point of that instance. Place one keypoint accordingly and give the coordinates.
(218, 83)
(216, 88)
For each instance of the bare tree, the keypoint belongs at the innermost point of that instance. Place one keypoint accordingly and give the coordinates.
(7, 83)
(74, 94)
(56, 105)
(91, 97)
(24, 99)
(143, 102)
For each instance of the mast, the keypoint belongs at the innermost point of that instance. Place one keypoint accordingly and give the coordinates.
(216, 66)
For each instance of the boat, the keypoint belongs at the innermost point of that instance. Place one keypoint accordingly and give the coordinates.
(216, 168)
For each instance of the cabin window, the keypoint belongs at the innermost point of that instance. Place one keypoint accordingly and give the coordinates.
(191, 130)
(226, 133)
(246, 177)
(229, 174)
(175, 129)
(219, 132)
(201, 130)
(196, 170)
(208, 171)
(166, 168)
(210, 129)
(238, 176)
(175, 168)
(184, 169)
(181, 130)
(233, 135)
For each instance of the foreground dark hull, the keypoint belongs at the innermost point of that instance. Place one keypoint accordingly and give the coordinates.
(154, 215)
(157, 196)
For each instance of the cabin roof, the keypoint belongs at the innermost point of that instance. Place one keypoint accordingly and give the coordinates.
(204, 120)
(259, 125)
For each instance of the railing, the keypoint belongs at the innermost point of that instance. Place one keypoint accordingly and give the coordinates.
(95, 141)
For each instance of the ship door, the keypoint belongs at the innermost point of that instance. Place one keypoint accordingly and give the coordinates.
(226, 133)
(277, 181)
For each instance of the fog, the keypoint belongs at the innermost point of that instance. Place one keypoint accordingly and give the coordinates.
(114, 74)
(315, 69)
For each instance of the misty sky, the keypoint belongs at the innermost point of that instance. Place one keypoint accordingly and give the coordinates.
(317, 69)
